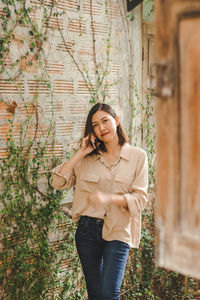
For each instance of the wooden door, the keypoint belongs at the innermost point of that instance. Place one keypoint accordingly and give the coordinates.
(178, 135)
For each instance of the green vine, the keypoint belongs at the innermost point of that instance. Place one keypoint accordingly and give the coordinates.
(26, 216)
(34, 245)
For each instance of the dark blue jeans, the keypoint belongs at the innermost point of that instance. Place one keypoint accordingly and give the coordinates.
(103, 262)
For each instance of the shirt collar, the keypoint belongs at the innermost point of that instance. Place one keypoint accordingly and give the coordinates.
(125, 152)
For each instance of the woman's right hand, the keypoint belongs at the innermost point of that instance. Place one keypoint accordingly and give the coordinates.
(88, 144)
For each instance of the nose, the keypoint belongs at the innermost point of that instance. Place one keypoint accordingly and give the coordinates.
(101, 127)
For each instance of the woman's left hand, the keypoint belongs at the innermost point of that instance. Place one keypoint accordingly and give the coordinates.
(98, 198)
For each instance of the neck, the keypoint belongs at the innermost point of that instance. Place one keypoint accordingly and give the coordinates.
(113, 147)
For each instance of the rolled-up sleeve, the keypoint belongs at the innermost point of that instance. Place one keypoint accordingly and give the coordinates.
(61, 182)
(137, 197)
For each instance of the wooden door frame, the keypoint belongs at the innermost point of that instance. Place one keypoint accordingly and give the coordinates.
(176, 250)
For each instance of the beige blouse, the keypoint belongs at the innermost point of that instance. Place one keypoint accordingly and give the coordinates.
(128, 176)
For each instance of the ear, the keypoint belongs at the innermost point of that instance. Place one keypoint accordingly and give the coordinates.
(117, 120)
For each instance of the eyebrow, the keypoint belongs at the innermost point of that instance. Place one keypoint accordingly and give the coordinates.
(100, 120)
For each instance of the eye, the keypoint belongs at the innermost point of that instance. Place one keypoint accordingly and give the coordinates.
(94, 125)
(105, 120)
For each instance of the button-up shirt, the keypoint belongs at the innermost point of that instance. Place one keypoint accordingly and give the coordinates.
(128, 176)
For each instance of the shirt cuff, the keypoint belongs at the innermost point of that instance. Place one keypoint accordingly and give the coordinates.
(132, 204)
(57, 169)
(57, 181)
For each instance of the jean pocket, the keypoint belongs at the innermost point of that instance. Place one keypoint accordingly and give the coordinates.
(83, 226)
(82, 233)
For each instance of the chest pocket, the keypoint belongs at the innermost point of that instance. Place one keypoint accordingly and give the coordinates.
(89, 182)
(122, 183)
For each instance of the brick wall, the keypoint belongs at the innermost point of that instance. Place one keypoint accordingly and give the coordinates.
(71, 97)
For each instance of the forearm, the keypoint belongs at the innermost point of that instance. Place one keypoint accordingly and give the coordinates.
(69, 165)
(99, 198)
(63, 175)
(118, 199)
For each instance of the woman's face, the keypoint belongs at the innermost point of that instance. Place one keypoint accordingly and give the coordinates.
(105, 126)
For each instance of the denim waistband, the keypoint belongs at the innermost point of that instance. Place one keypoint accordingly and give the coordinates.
(91, 219)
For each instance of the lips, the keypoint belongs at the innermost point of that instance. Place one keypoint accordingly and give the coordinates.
(105, 133)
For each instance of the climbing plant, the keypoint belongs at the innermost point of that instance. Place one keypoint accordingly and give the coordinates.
(31, 251)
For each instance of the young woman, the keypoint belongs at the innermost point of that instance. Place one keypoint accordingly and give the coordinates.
(110, 178)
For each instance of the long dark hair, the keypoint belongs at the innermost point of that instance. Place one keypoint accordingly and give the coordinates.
(89, 130)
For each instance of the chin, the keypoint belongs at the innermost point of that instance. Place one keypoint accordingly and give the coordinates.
(107, 139)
